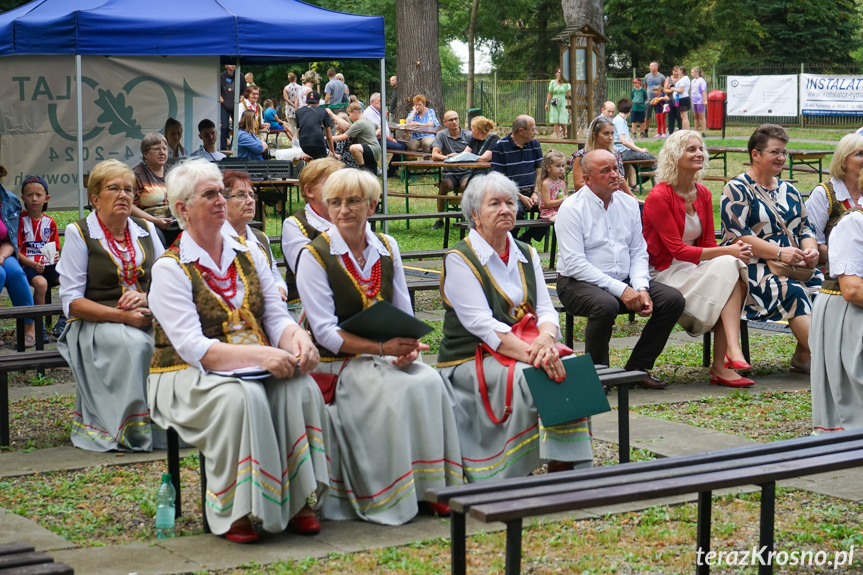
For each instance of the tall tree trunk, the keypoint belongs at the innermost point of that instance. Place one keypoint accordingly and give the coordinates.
(419, 68)
(589, 12)
(471, 46)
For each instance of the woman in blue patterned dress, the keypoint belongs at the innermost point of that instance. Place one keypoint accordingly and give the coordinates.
(748, 217)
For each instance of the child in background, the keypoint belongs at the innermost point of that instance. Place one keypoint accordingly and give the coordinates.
(174, 135)
(553, 185)
(660, 107)
(35, 230)
(638, 116)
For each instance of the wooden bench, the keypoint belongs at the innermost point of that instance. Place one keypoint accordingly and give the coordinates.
(23, 559)
(513, 500)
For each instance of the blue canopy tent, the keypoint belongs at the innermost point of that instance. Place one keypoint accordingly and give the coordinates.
(234, 29)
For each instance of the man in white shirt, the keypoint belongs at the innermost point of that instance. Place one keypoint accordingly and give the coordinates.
(207, 133)
(603, 267)
(624, 143)
(373, 113)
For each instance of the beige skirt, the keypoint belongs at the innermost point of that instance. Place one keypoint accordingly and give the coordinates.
(706, 287)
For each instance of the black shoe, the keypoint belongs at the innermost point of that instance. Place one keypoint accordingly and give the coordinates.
(45, 338)
(438, 225)
(59, 326)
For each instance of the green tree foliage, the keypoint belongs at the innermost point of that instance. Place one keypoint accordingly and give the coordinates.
(787, 32)
(641, 31)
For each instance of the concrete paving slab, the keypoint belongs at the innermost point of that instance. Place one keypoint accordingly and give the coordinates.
(845, 484)
(17, 463)
(352, 536)
(212, 552)
(17, 528)
(140, 558)
(665, 438)
(41, 392)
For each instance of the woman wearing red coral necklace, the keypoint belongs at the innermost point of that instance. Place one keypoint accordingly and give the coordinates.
(104, 276)
(229, 370)
(393, 431)
(489, 282)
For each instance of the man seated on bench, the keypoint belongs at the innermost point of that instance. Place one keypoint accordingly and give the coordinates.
(207, 133)
(603, 267)
(373, 113)
(447, 143)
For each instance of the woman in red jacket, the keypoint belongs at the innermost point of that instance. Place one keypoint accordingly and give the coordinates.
(678, 228)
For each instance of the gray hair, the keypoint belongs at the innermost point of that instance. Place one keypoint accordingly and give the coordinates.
(520, 122)
(374, 96)
(180, 183)
(494, 182)
(150, 140)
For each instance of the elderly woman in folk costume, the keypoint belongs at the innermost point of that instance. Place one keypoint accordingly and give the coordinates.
(241, 210)
(108, 342)
(490, 281)
(392, 426)
(308, 223)
(247, 405)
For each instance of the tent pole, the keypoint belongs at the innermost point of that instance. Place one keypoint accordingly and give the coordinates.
(384, 122)
(80, 137)
(235, 119)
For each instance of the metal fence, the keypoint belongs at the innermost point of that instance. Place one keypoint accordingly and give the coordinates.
(502, 98)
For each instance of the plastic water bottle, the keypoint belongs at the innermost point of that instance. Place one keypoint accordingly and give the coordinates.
(165, 508)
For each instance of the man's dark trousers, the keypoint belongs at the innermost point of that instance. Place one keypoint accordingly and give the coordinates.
(601, 310)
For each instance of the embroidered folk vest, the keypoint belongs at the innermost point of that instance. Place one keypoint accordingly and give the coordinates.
(831, 284)
(241, 326)
(458, 344)
(290, 277)
(103, 273)
(347, 295)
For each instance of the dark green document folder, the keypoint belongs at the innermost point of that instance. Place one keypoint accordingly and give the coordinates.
(579, 395)
(383, 321)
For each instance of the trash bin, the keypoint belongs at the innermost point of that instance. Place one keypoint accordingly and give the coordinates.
(473, 113)
(716, 110)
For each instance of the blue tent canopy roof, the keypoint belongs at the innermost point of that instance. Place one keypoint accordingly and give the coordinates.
(291, 30)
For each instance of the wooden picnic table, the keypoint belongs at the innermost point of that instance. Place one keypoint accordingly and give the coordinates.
(437, 167)
(638, 165)
(282, 188)
(418, 129)
(568, 141)
(802, 157)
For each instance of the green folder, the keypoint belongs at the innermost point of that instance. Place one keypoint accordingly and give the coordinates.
(383, 321)
(579, 395)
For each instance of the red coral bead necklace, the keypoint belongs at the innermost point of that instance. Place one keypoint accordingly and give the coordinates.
(126, 256)
(229, 281)
(370, 287)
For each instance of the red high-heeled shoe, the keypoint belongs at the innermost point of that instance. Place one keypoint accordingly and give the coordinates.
(739, 382)
(736, 365)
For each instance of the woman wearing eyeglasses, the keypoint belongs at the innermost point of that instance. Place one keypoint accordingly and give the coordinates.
(151, 202)
(108, 341)
(393, 432)
(229, 371)
(769, 215)
(241, 210)
(600, 136)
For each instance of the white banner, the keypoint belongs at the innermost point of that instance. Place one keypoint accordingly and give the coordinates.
(822, 95)
(762, 95)
(124, 99)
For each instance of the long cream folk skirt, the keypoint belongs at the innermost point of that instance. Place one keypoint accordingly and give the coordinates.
(262, 440)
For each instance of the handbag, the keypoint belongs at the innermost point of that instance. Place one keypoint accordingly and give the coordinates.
(526, 330)
(776, 267)
(327, 382)
(554, 102)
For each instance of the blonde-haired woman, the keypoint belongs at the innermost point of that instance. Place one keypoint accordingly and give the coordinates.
(600, 136)
(108, 341)
(678, 228)
(830, 199)
(392, 427)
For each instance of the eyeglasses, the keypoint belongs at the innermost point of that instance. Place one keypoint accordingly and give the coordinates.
(158, 149)
(776, 153)
(116, 190)
(213, 195)
(242, 196)
(352, 203)
(451, 119)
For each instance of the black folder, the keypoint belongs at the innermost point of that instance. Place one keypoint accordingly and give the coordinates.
(579, 395)
(383, 321)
